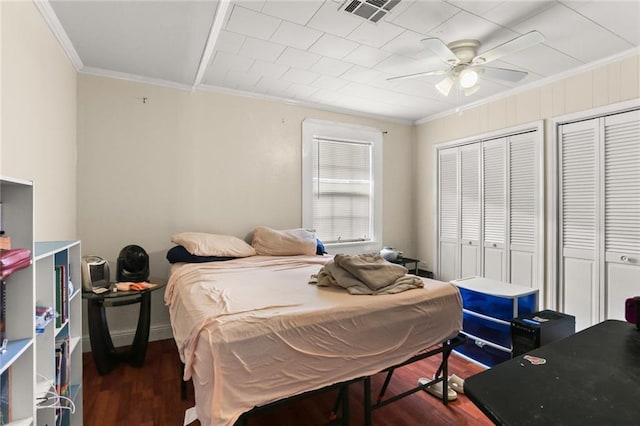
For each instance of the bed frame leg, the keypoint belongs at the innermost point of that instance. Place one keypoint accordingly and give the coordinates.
(183, 384)
(341, 401)
(445, 372)
(385, 385)
(367, 401)
(345, 405)
(336, 406)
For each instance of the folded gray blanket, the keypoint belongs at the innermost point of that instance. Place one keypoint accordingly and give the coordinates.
(366, 274)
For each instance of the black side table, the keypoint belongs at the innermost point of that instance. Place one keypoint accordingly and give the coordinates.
(404, 260)
(104, 354)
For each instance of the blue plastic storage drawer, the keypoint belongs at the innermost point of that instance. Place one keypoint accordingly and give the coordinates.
(496, 306)
(492, 331)
(483, 353)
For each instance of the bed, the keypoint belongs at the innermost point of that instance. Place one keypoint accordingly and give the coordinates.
(252, 330)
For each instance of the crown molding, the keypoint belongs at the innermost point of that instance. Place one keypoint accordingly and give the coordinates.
(135, 78)
(304, 104)
(58, 31)
(534, 85)
(99, 72)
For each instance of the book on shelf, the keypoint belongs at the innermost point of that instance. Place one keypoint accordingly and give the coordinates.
(5, 396)
(63, 366)
(62, 295)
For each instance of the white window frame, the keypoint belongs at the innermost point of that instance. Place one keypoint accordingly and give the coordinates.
(313, 129)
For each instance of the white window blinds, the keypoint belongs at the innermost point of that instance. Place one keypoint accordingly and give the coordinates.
(342, 190)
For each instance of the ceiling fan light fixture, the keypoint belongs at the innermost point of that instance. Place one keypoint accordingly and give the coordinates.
(468, 78)
(471, 91)
(445, 86)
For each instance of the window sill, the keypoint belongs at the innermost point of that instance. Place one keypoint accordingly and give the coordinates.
(353, 248)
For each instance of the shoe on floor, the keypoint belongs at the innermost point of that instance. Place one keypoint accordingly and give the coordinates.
(436, 389)
(456, 383)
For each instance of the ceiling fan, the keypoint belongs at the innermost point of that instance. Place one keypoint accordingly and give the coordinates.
(463, 65)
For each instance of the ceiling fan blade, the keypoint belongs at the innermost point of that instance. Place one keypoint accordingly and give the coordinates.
(441, 50)
(445, 85)
(503, 74)
(519, 43)
(418, 74)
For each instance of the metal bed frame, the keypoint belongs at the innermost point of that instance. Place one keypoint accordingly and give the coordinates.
(342, 401)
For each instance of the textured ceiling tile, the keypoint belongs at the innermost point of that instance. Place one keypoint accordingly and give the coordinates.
(299, 12)
(331, 67)
(260, 49)
(333, 46)
(298, 76)
(375, 35)
(297, 58)
(252, 23)
(330, 20)
(295, 35)
(367, 56)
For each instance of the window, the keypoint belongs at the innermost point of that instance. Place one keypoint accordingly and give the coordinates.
(342, 185)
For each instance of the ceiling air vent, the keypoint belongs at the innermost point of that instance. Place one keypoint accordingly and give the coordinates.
(371, 10)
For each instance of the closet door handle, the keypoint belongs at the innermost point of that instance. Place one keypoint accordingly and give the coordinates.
(624, 258)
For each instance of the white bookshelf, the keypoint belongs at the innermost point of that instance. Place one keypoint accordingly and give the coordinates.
(30, 356)
(16, 197)
(48, 255)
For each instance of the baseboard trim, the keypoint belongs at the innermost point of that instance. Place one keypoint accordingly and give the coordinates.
(125, 337)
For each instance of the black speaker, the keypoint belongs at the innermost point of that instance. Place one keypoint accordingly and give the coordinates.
(531, 331)
(133, 265)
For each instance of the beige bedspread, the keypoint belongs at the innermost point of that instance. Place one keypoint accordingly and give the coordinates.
(252, 331)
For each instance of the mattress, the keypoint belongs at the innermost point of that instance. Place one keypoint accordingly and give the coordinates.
(252, 331)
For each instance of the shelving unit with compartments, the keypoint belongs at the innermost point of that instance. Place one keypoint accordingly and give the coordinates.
(16, 363)
(30, 359)
(67, 335)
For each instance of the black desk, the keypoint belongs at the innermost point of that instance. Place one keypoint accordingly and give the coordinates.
(104, 354)
(589, 378)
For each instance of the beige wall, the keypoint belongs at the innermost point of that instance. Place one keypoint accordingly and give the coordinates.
(606, 85)
(38, 116)
(201, 161)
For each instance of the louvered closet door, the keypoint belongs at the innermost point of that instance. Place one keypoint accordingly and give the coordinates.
(621, 210)
(495, 209)
(578, 195)
(448, 214)
(523, 196)
(470, 216)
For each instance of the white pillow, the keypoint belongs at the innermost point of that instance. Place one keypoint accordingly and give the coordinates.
(290, 242)
(203, 244)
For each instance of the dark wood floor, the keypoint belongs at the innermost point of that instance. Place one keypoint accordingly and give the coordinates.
(151, 396)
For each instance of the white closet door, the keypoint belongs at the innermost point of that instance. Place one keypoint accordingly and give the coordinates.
(470, 217)
(523, 196)
(621, 210)
(448, 214)
(494, 209)
(578, 194)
